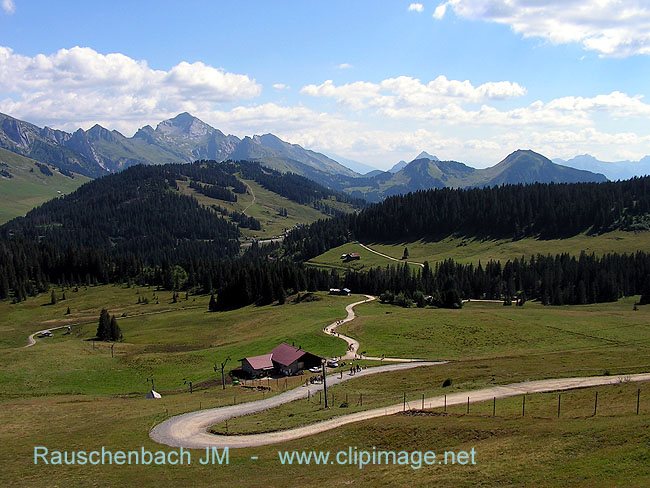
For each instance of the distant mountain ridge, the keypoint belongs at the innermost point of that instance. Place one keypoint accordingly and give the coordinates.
(619, 170)
(185, 138)
(522, 166)
(181, 139)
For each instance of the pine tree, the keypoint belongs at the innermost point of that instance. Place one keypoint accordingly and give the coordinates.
(67, 312)
(115, 331)
(212, 306)
(103, 328)
(53, 298)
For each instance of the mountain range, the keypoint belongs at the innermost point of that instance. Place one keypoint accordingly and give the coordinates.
(98, 151)
(182, 139)
(426, 171)
(619, 170)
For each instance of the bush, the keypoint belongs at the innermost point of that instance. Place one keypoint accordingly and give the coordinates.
(446, 383)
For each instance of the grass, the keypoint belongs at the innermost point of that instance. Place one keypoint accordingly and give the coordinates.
(473, 250)
(26, 189)
(62, 394)
(172, 343)
(332, 259)
(467, 250)
(607, 450)
(266, 209)
(490, 329)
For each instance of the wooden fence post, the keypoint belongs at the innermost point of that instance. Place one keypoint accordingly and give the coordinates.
(596, 404)
(559, 398)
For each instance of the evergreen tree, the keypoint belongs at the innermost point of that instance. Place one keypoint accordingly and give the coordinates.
(115, 333)
(53, 298)
(212, 306)
(103, 328)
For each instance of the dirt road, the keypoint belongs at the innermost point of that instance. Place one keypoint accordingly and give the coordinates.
(190, 430)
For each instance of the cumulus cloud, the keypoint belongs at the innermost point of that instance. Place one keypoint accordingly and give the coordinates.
(415, 7)
(281, 86)
(440, 11)
(406, 92)
(610, 27)
(8, 6)
(81, 84)
(344, 66)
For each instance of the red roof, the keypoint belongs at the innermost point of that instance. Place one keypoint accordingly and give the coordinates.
(286, 354)
(261, 362)
(354, 255)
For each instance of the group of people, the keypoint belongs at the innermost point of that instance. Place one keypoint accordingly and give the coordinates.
(354, 369)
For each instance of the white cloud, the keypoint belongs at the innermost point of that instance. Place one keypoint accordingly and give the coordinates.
(281, 86)
(616, 28)
(405, 92)
(8, 6)
(80, 84)
(344, 66)
(415, 7)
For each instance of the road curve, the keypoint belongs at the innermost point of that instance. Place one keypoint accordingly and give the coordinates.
(190, 430)
(31, 341)
(353, 344)
(389, 257)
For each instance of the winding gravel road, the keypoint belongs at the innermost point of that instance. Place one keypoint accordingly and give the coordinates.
(353, 344)
(190, 430)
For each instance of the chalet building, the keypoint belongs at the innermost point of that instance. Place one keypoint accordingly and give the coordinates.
(338, 291)
(284, 360)
(257, 366)
(353, 256)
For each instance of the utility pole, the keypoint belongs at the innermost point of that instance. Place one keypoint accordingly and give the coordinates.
(223, 377)
(324, 383)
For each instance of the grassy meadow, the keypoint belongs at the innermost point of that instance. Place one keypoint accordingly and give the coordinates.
(28, 187)
(266, 208)
(470, 250)
(63, 394)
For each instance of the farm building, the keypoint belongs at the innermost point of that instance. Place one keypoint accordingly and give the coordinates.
(338, 291)
(257, 365)
(284, 359)
(353, 256)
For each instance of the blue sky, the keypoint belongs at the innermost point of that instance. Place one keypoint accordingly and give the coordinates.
(374, 81)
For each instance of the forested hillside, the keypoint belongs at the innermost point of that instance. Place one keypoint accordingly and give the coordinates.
(134, 227)
(547, 211)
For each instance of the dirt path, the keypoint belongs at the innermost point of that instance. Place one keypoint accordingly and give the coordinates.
(190, 430)
(389, 257)
(252, 201)
(31, 340)
(353, 344)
